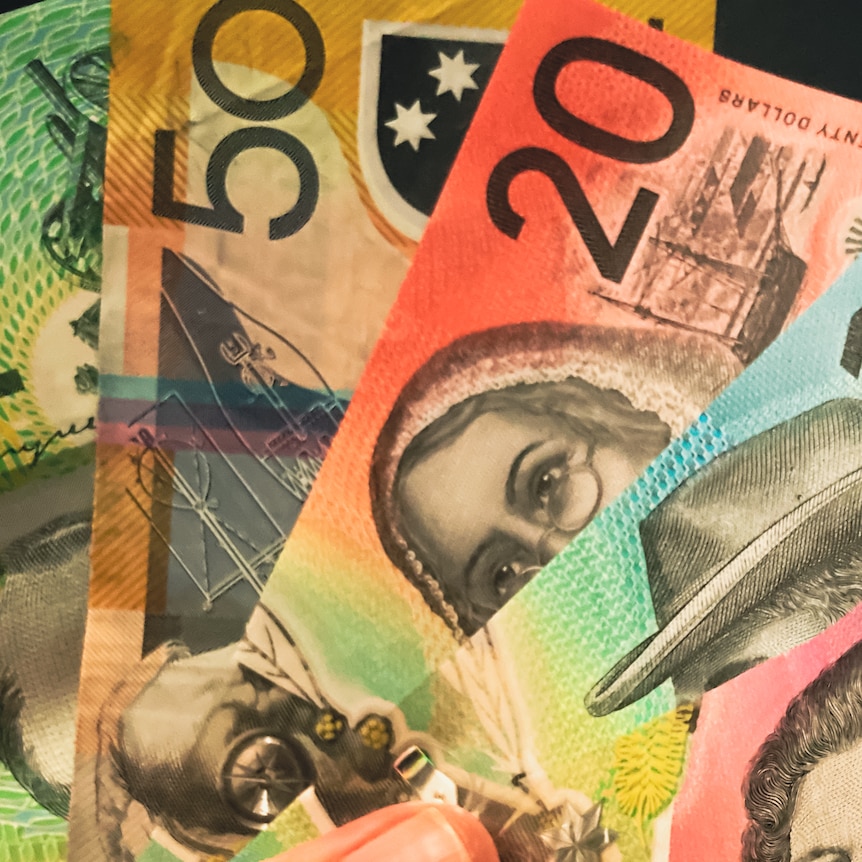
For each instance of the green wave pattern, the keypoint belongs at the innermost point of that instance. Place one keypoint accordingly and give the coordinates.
(34, 176)
(24, 822)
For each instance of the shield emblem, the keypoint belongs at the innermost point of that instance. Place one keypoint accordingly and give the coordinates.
(419, 89)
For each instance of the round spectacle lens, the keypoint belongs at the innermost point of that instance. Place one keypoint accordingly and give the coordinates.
(569, 495)
(574, 500)
(262, 775)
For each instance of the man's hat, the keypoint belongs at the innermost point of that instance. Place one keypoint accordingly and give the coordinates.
(754, 520)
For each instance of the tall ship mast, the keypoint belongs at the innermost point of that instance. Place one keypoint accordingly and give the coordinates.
(721, 262)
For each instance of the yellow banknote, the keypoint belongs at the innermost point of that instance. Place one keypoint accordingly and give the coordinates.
(265, 190)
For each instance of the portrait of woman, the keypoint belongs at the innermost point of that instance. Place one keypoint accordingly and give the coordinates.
(507, 442)
(803, 792)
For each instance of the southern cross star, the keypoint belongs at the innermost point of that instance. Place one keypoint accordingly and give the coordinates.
(411, 125)
(454, 74)
(580, 837)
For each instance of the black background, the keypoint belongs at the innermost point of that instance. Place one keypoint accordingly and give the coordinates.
(816, 42)
(8, 7)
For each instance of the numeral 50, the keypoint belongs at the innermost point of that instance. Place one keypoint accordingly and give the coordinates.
(221, 214)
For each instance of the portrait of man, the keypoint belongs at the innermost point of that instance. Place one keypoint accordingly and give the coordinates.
(209, 751)
(250, 730)
(803, 792)
(755, 553)
(196, 744)
(505, 444)
(43, 606)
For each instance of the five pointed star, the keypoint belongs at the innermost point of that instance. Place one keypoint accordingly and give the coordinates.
(411, 125)
(454, 74)
(580, 837)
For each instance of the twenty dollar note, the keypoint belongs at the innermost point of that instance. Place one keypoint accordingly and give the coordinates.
(266, 183)
(628, 225)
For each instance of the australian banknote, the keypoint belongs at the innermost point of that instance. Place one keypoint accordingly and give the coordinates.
(786, 782)
(53, 103)
(652, 664)
(264, 192)
(805, 580)
(628, 224)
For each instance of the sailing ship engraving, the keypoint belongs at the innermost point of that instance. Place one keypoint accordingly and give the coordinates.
(721, 261)
(228, 453)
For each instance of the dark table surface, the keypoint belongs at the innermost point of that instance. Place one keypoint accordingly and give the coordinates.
(812, 41)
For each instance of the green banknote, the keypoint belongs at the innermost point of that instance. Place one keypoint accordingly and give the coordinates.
(54, 64)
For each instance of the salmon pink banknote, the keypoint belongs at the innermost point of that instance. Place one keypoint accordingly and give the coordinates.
(683, 674)
(774, 755)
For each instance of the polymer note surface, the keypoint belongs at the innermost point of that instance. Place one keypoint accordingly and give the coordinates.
(53, 110)
(270, 168)
(730, 195)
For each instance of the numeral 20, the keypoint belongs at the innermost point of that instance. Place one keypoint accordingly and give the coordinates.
(611, 259)
(221, 213)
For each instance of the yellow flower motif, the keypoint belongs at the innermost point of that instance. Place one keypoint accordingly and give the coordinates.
(375, 733)
(648, 764)
(329, 726)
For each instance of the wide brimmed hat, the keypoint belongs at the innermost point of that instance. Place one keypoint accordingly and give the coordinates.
(755, 520)
(671, 374)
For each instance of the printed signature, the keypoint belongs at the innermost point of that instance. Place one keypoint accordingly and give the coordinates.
(38, 448)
